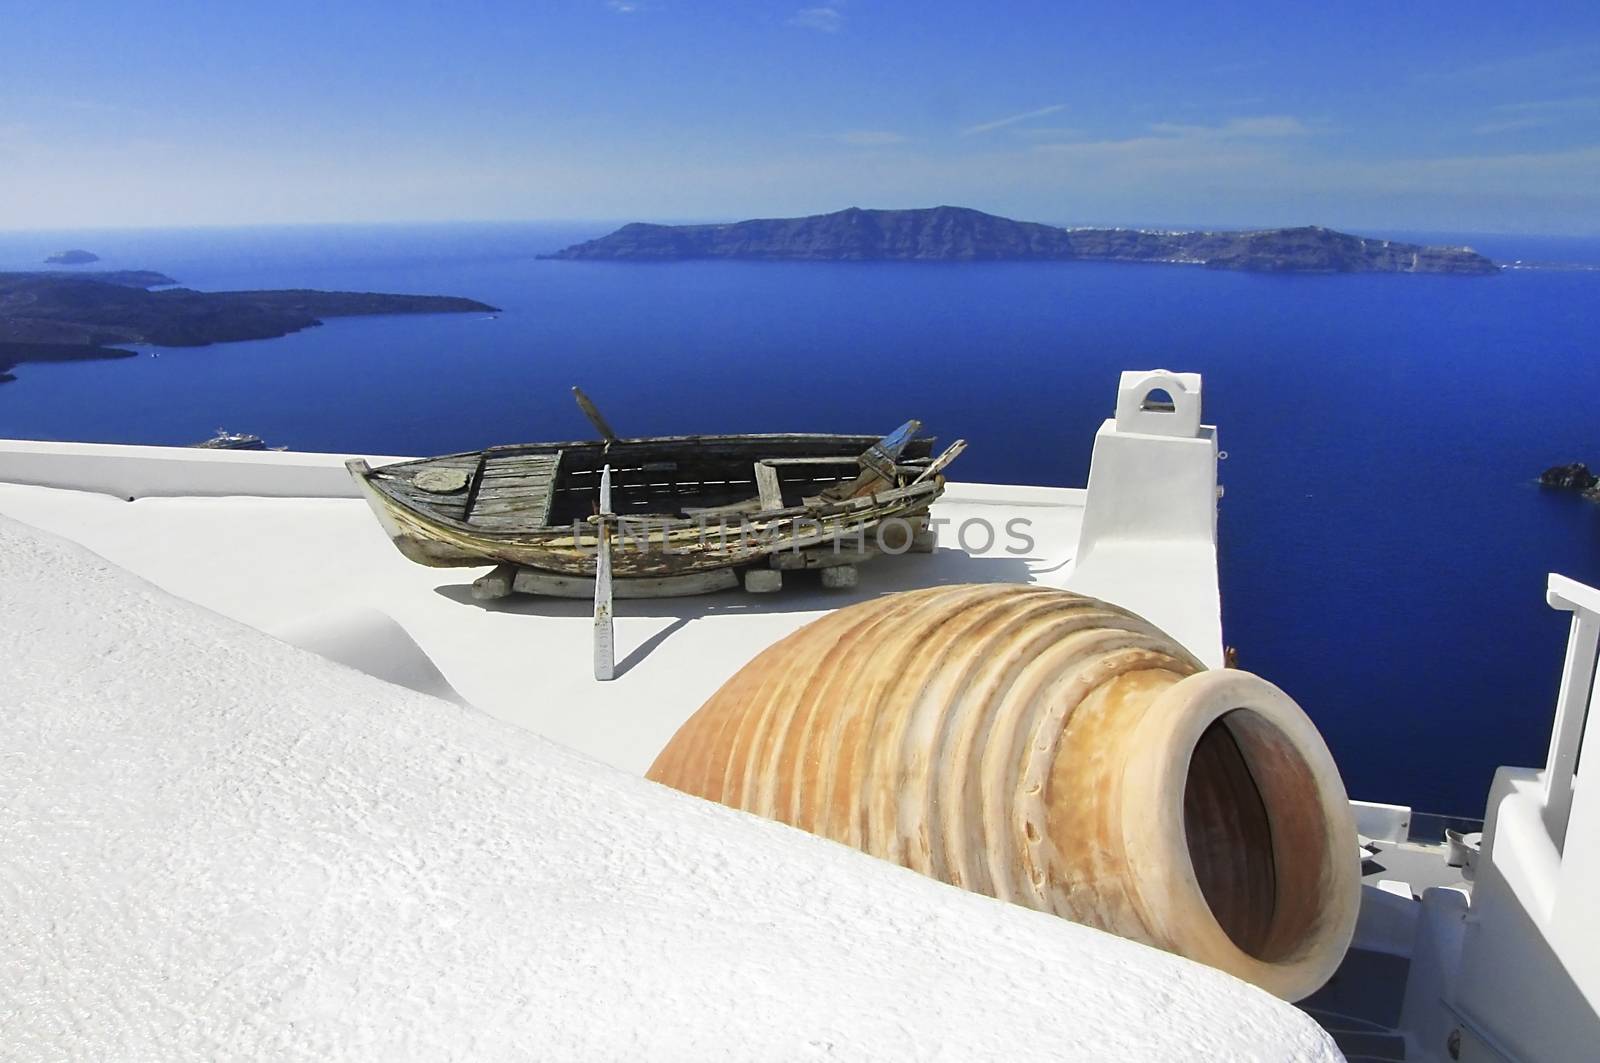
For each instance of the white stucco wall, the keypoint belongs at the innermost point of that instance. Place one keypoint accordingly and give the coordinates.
(1149, 532)
(131, 472)
(215, 845)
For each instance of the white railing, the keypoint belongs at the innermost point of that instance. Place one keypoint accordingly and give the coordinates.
(1573, 702)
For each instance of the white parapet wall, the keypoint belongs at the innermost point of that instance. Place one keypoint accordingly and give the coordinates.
(149, 472)
(1381, 822)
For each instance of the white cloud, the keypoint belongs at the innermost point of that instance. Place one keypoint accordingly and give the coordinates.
(1246, 172)
(1001, 123)
(1267, 125)
(623, 7)
(1537, 173)
(871, 138)
(1571, 103)
(828, 19)
(1045, 132)
(1535, 114)
(1566, 64)
(1508, 125)
(1172, 144)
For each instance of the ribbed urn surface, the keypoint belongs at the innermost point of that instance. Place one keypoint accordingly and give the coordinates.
(1053, 751)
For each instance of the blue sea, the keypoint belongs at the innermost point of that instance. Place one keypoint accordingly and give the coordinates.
(1384, 541)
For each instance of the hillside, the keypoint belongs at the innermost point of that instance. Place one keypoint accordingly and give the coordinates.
(54, 316)
(957, 234)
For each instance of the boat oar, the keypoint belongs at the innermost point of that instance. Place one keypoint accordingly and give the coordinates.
(604, 644)
(593, 413)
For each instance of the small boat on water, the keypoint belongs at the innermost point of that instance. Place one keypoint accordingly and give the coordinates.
(226, 440)
(676, 505)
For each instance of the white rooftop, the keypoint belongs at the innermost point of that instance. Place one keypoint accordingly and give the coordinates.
(215, 845)
(280, 542)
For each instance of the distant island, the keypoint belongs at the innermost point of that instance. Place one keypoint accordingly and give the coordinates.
(958, 234)
(58, 316)
(1573, 477)
(75, 257)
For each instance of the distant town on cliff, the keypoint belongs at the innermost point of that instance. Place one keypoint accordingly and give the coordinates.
(959, 234)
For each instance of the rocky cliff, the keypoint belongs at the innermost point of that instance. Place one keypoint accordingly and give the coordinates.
(85, 309)
(960, 234)
(1573, 477)
(55, 316)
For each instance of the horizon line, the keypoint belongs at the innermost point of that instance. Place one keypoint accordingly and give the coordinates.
(422, 222)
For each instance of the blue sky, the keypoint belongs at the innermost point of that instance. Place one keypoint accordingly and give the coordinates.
(1463, 116)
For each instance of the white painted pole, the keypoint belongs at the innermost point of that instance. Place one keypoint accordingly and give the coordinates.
(604, 638)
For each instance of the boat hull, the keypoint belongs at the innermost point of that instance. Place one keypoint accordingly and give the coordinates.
(654, 546)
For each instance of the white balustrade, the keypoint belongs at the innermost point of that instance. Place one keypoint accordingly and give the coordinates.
(1573, 701)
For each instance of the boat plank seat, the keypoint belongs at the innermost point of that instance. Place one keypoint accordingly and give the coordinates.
(514, 491)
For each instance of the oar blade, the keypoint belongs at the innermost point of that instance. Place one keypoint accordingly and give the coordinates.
(593, 413)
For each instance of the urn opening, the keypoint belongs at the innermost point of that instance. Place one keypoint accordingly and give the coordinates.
(1257, 836)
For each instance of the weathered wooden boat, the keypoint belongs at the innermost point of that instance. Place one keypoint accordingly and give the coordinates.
(678, 505)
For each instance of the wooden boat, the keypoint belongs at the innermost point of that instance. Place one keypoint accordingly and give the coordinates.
(678, 505)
